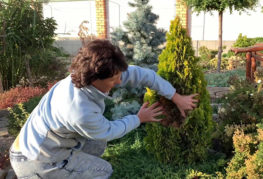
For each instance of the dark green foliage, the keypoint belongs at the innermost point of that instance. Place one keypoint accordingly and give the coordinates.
(244, 104)
(24, 36)
(109, 104)
(19, 114)
(241, 109)
(141, 41)
(189, 142)
(221, 5)
(50, 62)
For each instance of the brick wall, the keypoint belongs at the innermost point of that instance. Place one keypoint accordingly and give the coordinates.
(185, 15)
(102, 18)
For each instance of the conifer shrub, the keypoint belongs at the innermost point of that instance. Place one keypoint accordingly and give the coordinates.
(142, 41)
(180, 140)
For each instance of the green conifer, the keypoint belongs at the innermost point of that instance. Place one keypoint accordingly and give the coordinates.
(141, 40)
(180, 140)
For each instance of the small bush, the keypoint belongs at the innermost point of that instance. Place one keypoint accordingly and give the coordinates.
(222, 79)
(125, 100)
(19, 114)
(259, 75)
(207, 54)
(244, 41)
(247, 161)
(19, 95)
(242, 110)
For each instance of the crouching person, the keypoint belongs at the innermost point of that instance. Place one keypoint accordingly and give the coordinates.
(67, 133)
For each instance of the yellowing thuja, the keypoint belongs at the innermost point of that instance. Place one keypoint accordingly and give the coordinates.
(180, 140)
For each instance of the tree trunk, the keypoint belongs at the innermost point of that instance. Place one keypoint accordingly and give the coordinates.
(28, 70)
(220, 32)
(1, 84)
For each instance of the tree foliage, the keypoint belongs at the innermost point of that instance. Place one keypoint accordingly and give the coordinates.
(24, 33)
(221, 5)
(182, 140)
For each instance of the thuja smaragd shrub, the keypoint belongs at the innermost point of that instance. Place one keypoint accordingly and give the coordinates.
(180, 140)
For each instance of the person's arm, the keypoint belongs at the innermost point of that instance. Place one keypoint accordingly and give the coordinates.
(136, 76)
(95, 126)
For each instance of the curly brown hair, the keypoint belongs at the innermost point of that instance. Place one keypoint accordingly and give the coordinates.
(99, 59)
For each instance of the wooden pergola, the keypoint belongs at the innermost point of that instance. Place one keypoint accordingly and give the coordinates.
(252, 55)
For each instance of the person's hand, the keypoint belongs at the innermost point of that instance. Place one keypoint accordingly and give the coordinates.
(184, 103)
(148, 114)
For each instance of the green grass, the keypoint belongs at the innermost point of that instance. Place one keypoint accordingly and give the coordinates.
(129, 159)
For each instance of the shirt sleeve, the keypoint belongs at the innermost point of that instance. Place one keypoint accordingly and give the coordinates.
(95, 126)
(137, 76)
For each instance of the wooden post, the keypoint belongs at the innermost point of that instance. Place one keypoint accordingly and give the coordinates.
(253, 68)
(248, 66)
(252, 55)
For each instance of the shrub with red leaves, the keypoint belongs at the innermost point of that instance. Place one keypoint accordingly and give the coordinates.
(19, 95)
(51, 84)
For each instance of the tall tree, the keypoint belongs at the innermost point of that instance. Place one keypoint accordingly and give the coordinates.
(221, 6)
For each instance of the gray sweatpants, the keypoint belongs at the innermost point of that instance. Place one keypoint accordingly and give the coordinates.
(82, 164)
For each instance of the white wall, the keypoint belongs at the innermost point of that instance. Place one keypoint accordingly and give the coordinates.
(249, 24)
(69, 15)
(165, 9)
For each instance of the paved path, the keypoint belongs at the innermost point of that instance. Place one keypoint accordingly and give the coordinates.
(5, 142)
(5, 139)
